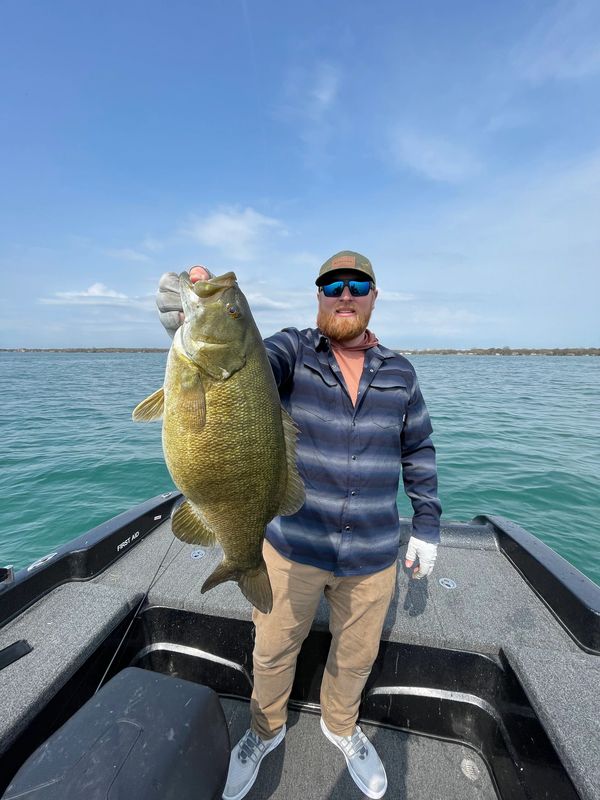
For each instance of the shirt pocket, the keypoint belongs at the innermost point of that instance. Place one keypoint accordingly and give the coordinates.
(315, 393)
(389, 400)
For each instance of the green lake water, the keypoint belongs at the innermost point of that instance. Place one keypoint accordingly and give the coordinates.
(516, 436)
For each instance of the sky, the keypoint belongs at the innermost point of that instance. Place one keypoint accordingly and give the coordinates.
(457, 145)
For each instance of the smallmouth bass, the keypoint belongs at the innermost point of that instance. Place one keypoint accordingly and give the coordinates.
(228, 444)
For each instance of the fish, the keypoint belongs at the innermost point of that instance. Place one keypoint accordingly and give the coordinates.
(229, 445)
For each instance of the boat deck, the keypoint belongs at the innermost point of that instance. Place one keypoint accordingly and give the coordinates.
(306, 765)
(476, 604)
(490, 608)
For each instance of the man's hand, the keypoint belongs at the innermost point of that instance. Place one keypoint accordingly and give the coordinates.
(425, 552)
(170, 309)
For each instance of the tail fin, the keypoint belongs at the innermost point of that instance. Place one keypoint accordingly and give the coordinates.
(254, 583)
(256, 587)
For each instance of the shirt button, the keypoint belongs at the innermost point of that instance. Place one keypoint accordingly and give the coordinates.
(352, 492)
(371, 370)
(347, 528)
(353, 458)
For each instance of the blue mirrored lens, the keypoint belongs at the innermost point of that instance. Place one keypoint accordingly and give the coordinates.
(334, 289)
(357, 288)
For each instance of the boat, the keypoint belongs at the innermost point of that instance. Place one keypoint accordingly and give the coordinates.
(118, 678)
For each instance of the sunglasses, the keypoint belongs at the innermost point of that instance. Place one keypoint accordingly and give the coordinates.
(357, 288)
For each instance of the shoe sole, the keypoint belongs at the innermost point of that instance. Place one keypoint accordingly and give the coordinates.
(364, 789)
(277, 740)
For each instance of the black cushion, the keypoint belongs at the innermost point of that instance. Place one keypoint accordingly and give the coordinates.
(143, 735)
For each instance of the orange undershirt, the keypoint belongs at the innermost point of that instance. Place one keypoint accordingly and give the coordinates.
(351, 361)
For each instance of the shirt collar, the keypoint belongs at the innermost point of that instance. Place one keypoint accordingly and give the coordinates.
(382, 352)
(321, 344)
(320, 341)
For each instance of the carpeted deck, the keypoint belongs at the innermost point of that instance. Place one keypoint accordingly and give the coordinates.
(306, 766)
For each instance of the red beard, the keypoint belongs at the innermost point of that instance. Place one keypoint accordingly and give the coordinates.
(342, 329)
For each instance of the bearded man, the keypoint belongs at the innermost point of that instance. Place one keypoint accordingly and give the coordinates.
(363, 422)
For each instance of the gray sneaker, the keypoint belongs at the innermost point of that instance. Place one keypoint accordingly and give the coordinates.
(244, 762)
(364, 765)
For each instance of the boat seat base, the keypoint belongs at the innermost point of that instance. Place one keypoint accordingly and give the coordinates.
(143, 735)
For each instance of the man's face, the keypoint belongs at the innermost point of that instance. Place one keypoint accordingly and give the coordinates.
(345, 317)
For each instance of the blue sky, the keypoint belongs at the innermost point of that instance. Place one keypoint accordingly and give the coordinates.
(455, 144)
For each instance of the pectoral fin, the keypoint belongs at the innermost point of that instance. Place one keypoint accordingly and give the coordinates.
(151, 408)
(294, 496)
(191, 400)
(188, 526)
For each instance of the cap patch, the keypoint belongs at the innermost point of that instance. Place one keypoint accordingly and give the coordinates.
(343, 261)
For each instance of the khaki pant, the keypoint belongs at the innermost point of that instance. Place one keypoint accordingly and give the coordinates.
(358, 605)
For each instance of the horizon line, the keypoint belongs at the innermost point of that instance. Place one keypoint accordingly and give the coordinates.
(408, 350)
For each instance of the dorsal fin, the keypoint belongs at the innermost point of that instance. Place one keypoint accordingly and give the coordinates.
(294, 496)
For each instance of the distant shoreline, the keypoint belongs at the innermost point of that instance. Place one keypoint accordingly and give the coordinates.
(488, 351)
(507, 351)
(84, 349)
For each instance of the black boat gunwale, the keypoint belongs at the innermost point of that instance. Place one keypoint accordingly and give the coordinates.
(84, 557)
(571, 597)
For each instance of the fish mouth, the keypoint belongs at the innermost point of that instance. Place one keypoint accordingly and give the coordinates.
(211, 287)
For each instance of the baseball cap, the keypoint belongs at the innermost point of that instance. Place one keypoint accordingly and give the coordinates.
(345, 260)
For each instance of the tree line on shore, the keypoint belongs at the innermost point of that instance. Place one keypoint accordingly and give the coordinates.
(508, 351)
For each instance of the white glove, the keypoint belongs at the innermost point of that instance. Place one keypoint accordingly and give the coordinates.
(425, 552)
(168, 300)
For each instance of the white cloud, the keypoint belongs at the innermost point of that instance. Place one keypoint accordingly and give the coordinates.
(509, 119)
(236, 233)
(304, 258)
(565, 43)
(433, 157)
(535, 219)
(531, 244)
(324, 89)
(310, 93)
(261, 302)
(95, 290)
(99, 295)
(402, 297)
(127, 254)
(310, 97)
(152, 244)
(442, 321)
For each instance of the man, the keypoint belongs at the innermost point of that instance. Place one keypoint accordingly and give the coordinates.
(362, 422)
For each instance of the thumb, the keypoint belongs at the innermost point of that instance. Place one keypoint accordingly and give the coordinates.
(199, 273)
(411, 552)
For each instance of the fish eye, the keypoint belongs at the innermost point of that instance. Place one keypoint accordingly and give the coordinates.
(233, 310)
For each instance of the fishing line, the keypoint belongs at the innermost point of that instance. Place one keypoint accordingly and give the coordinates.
(139, 606)
(78, 682)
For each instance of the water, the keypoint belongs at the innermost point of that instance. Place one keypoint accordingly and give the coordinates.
(515, 436)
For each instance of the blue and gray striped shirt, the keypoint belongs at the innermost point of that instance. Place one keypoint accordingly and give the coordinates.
(350, 457)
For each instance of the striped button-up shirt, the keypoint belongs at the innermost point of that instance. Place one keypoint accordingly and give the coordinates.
(350, 457)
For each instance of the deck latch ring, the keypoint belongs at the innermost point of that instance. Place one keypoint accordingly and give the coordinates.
(447, 583)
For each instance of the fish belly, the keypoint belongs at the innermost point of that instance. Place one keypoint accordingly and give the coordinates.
(232, 467)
